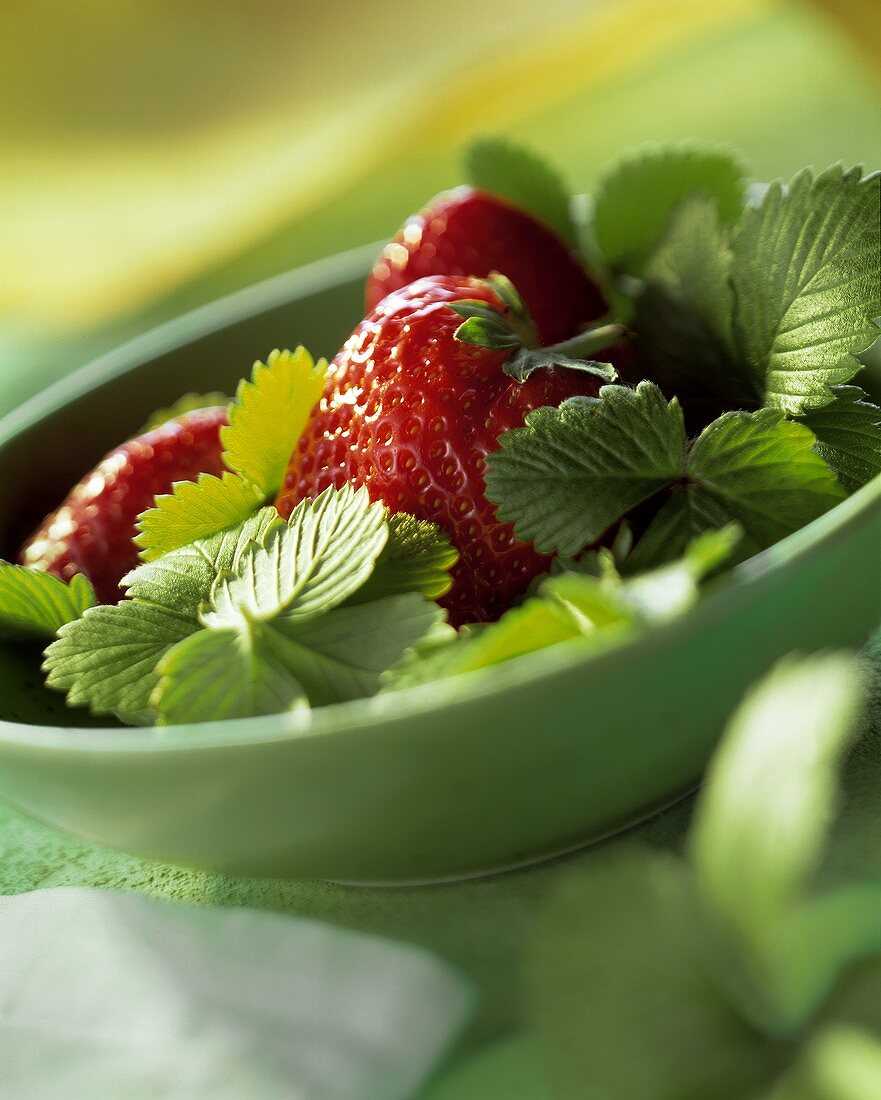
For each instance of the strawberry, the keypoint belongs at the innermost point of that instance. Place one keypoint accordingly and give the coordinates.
(92, 531)
(410, 409)
(471, 232)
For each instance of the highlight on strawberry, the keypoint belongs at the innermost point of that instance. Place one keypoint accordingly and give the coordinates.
(558, 422)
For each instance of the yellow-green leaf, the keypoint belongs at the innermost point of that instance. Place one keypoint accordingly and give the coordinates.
(269, 415)
(195, 510)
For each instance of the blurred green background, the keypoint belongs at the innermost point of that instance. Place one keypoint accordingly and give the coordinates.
(160, 154)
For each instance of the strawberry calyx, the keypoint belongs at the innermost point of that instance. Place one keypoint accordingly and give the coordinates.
(513, 329)
(487, 327)
(574, 354)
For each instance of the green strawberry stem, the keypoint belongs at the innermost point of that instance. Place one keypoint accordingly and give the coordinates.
(586, 344)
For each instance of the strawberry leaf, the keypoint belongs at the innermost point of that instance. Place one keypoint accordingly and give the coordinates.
(636, 198)
(269, 415)
(190, 402)
(602, 609)
(664, 593)
(286, 609)
(271, 592)
(848, 436)
(773, 312)
(754, 469)
(286, 660)
(184, 579)
(807, 282)
(216, 674)
(265, 422)
(107, 659)
(684, 315)
(195, 510)
(324, 553)
(515, 173)
(34, 604)
(720, 1014)
(418, 557)
(535, 624)
(572, 472)
(764, 471)
(775, 767)
(344, 655)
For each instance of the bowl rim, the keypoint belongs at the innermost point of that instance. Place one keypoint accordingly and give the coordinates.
(406, 703)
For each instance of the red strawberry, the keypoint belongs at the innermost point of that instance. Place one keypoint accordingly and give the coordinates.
(411, 412)
(92, 531)
(471, 232)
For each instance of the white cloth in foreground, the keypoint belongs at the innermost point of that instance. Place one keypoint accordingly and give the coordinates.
(104, 995)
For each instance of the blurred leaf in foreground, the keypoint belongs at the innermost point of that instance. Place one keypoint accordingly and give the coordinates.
(657, 978)
(771, 795)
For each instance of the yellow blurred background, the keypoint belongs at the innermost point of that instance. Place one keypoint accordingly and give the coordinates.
(158, 154)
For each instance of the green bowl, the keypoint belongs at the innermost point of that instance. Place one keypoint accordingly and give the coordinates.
(456, 778)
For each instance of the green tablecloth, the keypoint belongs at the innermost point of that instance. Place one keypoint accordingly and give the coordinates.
(478, 926)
